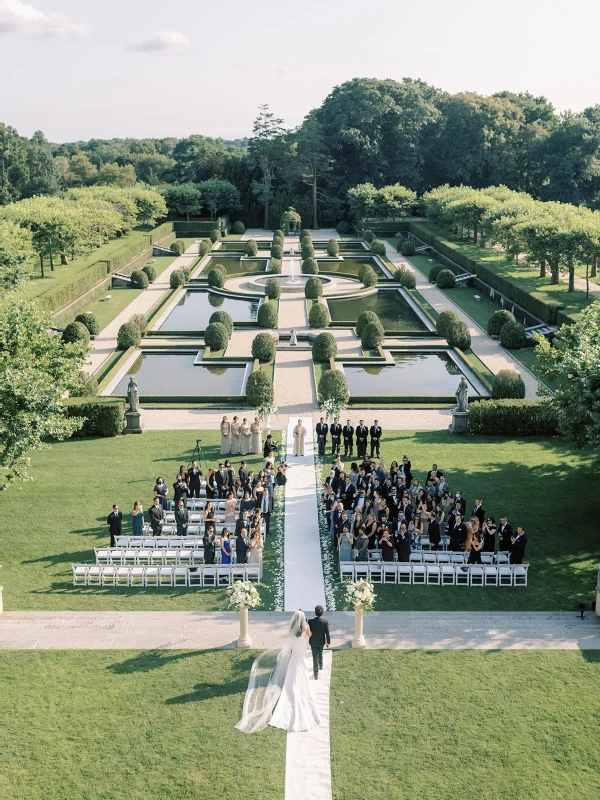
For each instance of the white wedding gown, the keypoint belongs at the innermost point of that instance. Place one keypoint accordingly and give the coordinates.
(279, 691)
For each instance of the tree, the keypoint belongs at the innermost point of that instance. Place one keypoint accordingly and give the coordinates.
(362, 200)
(219, 195)
(16, 256)
(573, 360)
(264, 148)
(183, 199)
(313, 160)
(36, 369)
(115, 175)
(13, 164)
(43, 178)
(81, 170)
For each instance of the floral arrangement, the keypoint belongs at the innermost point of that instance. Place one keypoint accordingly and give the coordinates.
(265, 410)
(243, 594)
(360, 593)
(332, 408)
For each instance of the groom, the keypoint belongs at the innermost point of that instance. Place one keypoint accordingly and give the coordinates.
(319, 637)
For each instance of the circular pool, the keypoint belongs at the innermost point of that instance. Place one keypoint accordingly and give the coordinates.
(291, 283)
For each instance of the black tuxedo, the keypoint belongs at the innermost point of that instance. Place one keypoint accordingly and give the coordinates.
(209, 549)
(222, 480)
(504, 534)
(361, 440)
(434, 533)
(319, 636)
(480, 514)
(270, 447)
(242, 523)
(243, 475)
(336, 434)
(348, 433)
(375, 433)
(115, 524)
(517, 553)
(241, 549)
(322, 430)
(458, 534)
(182, 518)
(157, 516)
(194, 478)
(406, 473)
(347, 493)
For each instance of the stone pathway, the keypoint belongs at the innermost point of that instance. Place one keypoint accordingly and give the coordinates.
(385, 630)
(304, 586)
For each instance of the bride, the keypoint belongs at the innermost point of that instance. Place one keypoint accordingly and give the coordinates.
(278, 691)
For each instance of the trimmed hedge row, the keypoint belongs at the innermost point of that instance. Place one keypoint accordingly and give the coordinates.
(512, 418)
(58, 297)
(104, 416)
(535, 302)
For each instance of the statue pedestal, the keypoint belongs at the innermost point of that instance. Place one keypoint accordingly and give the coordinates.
(459, 422)
(134, 422)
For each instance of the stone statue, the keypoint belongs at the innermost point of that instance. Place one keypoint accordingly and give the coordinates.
(462, 396)
(293, 338)
(133, 394)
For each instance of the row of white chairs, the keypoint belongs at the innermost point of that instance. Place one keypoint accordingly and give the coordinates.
(455, 557)
(158, 542)
(436, 574)
(148, 557)
(171, 575)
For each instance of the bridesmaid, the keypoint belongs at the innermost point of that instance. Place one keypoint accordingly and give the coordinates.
(225, 436)
(138, 519)
(225, 547)
(235, 437)
(244, 437)
(256, 429)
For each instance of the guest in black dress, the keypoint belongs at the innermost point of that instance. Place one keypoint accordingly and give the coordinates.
(489, 535)
(475, 551)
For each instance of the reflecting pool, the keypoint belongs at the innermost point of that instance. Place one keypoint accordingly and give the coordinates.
(391, 308)
(195, 308)
(176, 375)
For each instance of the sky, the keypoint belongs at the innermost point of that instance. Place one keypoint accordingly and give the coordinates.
(78, 69)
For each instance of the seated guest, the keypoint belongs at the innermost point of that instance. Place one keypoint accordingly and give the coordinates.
(517, 553)
(157, 517)
(115, 524)
(403, 544)
(209, 545)
(489, 531)
(386, 546)
(182, 517)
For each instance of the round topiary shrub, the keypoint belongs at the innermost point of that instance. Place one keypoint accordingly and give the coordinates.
(310, 266)
(334, 386)
(407, 248)
(276, 251)
(86, 386)
(378, 247)
(434, 272)
(513, 336)
(343, 228)
(364, 319)
(308, 251)
(398, 273)
(140, 321)
(372, 335)
(150, 272)
(445, 319)
(305, 233)
(498, 320)
(224, 318)
(408, 280)
(216, 277)
(238, 228)
(275, 266)
(313, 288)
(75, 332)
(203, 248)
(215, 235)
(324, 347)
(277, 240)
(305, 241)
(333, 248)
(176, 278)
(318, 316)
(251, 248)
(272, 289)
(263, 347)
(368, 236)
(139, 279)
(445, 279)
(278, 233)
(457, 335)
(177, 247)
(129, 335)
(216, 336)
(267, 315)
(90, 322)
(508, 385)
(368, 276)
(259, 389)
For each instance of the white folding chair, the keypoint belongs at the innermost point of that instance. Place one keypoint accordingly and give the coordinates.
(448, 574)
(134, 541)
(404, 573)
(109, 575)
(487, 558)
(149, 543)
(198, 555)
(502, 557)
(171, 556)
(457, 558)
(185, 556)
(462, 575)
(347, 570)
(430, 558)
(520, 574)
(151, 576)
(144, 556)
(389, 573)
(425, 543)
(122, 541)
(162, 541)
(195, 576)
(361, 570)
(176, 542)
(253, 573)
(433, 574)
(165, 575)
(102, 555)
(476, 574)
(374, 555)
(80, 574)
(123, 576)
(490, 577)
(137, 576)
(505, 575)
(130, 557)
(238, 572)
(375, 571)
(94, 576)
(419, 573)
(209, 576)
(157, 557)
(180, 576)
(443, 558)
(224, 575)
(416, 558)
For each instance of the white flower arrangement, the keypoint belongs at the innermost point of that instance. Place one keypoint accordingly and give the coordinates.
(360, 593)
(332, 408)
(265, 409)
(243, 594)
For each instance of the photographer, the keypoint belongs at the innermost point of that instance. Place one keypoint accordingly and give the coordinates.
(269, 450)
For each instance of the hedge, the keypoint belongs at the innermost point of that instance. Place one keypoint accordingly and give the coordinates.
(278, 233)
(104, 416)
(87, 385)
(364, 319)
(399, 273)
(307, 251)
(334, 386)
(216, 336)
(276, 251)
(372, 335)
(238, 228)
(434, 272)
(267, 315)
(263, 347)
(272, 289)
(513, 336)
(90, 322)
(75, 332)
(445, 319)
(445, 279)
(508, 385)
(497, 321)
(58, 297)
(513, 418)
(259, 389)
(224, 318)
(324, 347)
(310, 266)
(203, 248)
(367, 275)
(176, 278)
(313, 289)
(318, 316)
(129, 335)
(305, 233)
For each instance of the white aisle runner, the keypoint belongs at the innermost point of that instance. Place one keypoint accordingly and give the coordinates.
(307, 759)
(303, 568)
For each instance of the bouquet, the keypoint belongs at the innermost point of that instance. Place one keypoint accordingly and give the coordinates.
(266, 409)
(360, 593)
(243, 593)
(332, 408)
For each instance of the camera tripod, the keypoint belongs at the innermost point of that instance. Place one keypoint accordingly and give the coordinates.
(198, 455)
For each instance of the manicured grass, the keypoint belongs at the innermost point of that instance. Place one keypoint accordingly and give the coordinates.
(133, 724)
(533, 482)
(106, 311)
(60, 517)
(502, 725)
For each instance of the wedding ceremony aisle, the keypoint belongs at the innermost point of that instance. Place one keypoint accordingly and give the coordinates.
(303, 568)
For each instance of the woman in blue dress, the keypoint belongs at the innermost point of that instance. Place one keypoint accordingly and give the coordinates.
(161, 491)
(137, 519)
(225, 547)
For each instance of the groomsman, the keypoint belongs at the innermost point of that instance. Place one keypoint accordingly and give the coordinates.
(348, 433)
(322, 429)
(336, 435)
(115, 522)
(375, 438)
(505, 535)
(361, 439)
(194, 474)
(479, 512)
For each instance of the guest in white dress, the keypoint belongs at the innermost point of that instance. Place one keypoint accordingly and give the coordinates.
(225, 436)
(256, 549)
(235, 437)
(256, 430)
(244, 437)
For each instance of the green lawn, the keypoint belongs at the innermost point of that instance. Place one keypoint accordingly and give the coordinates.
(533, 482)
(443, 725)
(132, 724)
(60, 517)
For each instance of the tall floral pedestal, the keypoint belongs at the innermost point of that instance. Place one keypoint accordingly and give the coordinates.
(267, 425)
(359, 639)
(244, 640)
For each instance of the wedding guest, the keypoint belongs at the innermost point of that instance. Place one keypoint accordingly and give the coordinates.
(347, 492)
(161, 491)
(209, 545)
(230, 509)
(517, 553)
(256, 548)
(222, 480)
(435, 534)
(479, 512)
(180, 489)
(361, 547)
(505, 535)
(348, 436)
(242, 546)
(182, 518)
(475, 549)
(157, 516)
(225, 546)
(115, 524)
(345, 544)
(386, 545)
(280, 478)
(137, 519)
(243, 474)
(194, 474)
(230, 474)
(270, 449)
(209, 516)
(211, 484)
(405, 468)
(403, 544)
(489, 531)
